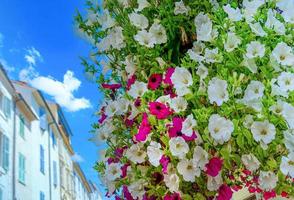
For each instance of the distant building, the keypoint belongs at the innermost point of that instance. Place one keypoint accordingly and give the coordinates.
(35, 147)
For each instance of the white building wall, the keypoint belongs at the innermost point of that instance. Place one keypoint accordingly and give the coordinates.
(6, 127)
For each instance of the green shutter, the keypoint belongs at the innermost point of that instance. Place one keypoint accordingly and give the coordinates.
(21, 126)
(7, 107)
(21, 168)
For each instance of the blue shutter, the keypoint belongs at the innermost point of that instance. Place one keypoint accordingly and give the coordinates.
(53, 139)
(21, 168)
(42, 164)
(5, 156)
(43, 119)
(42, 196)
(1, 194)
(21, 126)
(54, 173)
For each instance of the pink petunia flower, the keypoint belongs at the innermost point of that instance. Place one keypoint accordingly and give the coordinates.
(175, 130)
(127, 194)
(144, 129)
(214, 166)
(174, 196)
(160, 110)
(112, 87)
(224, 193)
(269, 194)
(164, 163)
(169, 72)
(131, 81)
(154, 81)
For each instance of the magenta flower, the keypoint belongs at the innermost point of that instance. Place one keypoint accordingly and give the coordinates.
(169, 72)
(175, 130)
(174, 196)
(131, 81)
(112, 87)
(214, 166)
(144, 129)
(160, 110)
(224, 193)
(124, 170)
(127, 194)
(164, 163)
(154, 81)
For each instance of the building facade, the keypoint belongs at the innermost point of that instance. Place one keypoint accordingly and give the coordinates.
(35, 149)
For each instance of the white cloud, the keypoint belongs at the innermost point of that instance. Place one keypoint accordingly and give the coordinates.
(6, 66)
(62, 92)
(32, 56)
(77, 158)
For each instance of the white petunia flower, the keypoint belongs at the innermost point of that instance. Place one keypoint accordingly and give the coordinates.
(138, 20)
(250, 8)
(111, 108)
(287, 6)
(250, 64)
(131, 66)
(248, 121)
(273, 23)
(122, 106)
(278, 108)
(158, 32)
(267, 180)
(211, 55)
(289, 139)
(145, 38)
(263, 132)
(255, 49)
(137, 188)
(188, 124)
(178, 147)
(138, 89)
(286, 81)
(254, 90)
(250, 162)
(202, 71)
(204, 29)
(220, 128)
(180, 8)
(179, 104)
(188, 170)
(113, 171)
(172, 181)
(164, 99)
(283, 54)
(136, 153)
(105, 20)
(154, 153)
(217, 91)
(182, 79)
(287, 165)
(257, 29)
(142, 4)
(213, 183)
(233, 13)
(196, 53)
(288, 114)
(277, 90)
(232, 42)
(200, 157)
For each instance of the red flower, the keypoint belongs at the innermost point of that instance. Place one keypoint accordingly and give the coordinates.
(176, 130)
(131, 81)
(214, 166)
(111, 86)
(160, 110)
(164, 163)
(144, 129)
(169, 72)
(174, 196)
(269, 194)
(224, 193)
(154, 81)
(284, 194)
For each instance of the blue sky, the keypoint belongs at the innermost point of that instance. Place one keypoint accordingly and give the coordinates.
(38, 36)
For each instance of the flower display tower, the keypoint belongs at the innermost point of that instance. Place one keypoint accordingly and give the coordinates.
(198, 97)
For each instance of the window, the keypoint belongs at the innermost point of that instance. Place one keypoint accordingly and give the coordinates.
(21, 126)
(43, 120)
(55, 173)
(42, 160)
(4, 151)
(21, 168)
(42, 196)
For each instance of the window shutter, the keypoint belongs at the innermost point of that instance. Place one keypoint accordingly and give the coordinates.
(54, 173)
(43, 119)
(5, 157)
(7, 107)
(21, 126)
(42, 166)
